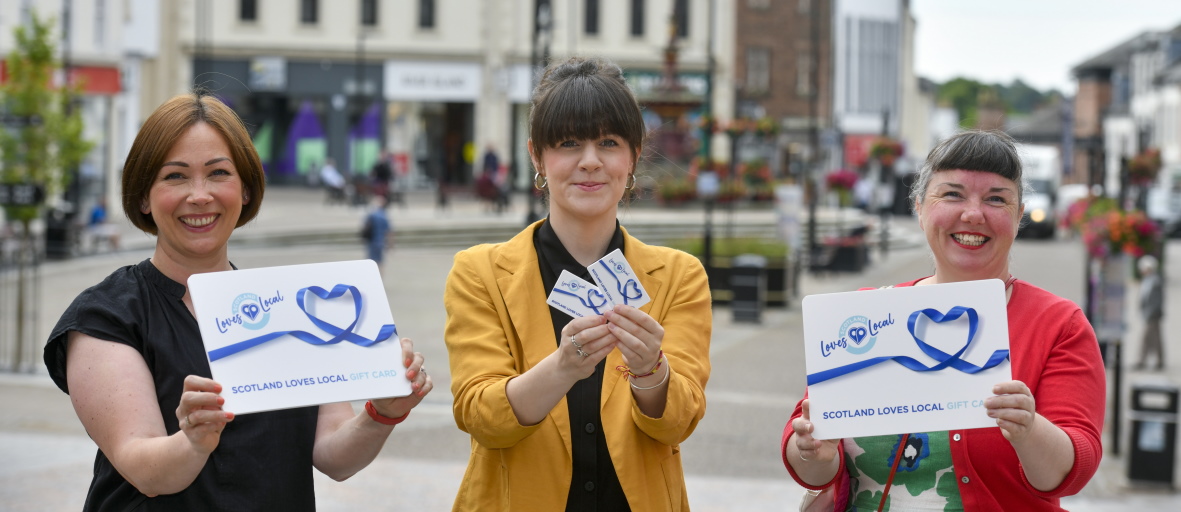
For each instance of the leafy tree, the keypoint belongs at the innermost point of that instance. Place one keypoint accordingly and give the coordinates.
(45, 143)
(49, 141)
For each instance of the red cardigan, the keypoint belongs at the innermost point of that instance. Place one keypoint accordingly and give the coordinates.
(1053, 350)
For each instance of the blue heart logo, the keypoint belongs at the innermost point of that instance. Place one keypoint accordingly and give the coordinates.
(250, 310)
(858, 334)
(631, 290)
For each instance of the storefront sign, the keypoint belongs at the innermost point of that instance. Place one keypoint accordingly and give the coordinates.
(268, 73)
(432, 81)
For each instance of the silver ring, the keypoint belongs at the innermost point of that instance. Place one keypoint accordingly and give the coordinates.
(581, 353)
(802, 457)
(188, 421)
(575, 343)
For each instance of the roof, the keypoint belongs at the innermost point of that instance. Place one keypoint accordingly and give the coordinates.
(1115, 56)
(1044, 123)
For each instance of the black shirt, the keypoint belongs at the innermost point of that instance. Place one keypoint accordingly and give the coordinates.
(264, 460)
(594, 486)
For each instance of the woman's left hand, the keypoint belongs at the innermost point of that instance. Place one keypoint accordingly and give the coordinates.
(420, 385)
(1014, 409)
(640, 337)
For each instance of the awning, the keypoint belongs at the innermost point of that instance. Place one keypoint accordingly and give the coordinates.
(95, 80)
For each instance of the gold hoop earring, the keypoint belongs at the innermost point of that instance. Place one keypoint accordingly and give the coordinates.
(539, 181)
(631, 183)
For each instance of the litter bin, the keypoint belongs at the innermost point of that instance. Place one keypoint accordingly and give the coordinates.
(58, 234)
(1154, 433)
(748, 284)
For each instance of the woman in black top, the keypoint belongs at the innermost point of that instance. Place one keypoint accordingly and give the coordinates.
(129, 352)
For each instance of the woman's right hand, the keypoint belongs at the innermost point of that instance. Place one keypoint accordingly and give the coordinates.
(200, 415)
(810, 450)
(596, 341)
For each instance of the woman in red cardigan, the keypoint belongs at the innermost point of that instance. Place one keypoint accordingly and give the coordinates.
(968, 199)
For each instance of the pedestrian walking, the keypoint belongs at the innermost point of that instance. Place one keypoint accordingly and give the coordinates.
(129, 351)
(968, 200)
(1152, 310)
(377, 231)
(577, 413)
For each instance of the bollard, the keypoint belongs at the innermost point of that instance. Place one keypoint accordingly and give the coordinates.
(1154, 433)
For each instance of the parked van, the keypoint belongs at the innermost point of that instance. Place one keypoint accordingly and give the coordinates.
(1164, 201)
(1043, 171)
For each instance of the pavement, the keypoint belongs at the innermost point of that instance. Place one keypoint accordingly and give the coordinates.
(731, 460)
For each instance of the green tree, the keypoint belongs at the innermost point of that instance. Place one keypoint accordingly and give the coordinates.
(44, 145)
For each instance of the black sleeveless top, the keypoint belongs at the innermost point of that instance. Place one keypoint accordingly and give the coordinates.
(264, 460)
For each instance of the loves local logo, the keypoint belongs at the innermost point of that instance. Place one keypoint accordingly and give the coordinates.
(857, 335)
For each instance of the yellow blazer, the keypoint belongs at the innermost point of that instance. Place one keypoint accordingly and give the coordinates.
(499, 326)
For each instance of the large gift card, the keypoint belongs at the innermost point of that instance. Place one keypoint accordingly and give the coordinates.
(905, 360)
(293, 336)
(576, 297)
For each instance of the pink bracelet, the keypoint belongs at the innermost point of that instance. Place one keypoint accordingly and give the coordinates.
(628, 372)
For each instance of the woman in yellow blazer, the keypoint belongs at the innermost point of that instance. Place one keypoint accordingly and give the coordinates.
(577, 413)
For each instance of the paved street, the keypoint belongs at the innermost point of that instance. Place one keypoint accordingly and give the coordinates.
(731, 461)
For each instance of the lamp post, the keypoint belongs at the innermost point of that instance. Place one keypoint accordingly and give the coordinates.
(707, 190)
(542, 32)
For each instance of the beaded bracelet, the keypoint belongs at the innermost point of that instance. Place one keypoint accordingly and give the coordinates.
(384, 420)
(661, 383)
(628, 371)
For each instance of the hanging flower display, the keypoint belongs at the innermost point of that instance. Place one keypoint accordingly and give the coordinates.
(1143, 168)
(766, 127)
(886, 150)
(737, 127)
(1131, 233)
(842, 182)
(707, 123)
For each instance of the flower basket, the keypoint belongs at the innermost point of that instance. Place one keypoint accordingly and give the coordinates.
(707, 124)
(1116, 231)
(1080, 212)
(766, 127)
(731, 190)
(737, 127)
(886, 150)
(1143, 168)
(677, 191)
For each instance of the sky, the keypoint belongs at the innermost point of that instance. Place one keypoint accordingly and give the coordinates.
(1038, 41)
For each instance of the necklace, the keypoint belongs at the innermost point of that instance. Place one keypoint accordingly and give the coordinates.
(1009, 282)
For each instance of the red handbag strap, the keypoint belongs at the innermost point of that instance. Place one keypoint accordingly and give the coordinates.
(893, 470)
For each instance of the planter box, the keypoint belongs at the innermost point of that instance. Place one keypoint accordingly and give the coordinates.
(777, 282)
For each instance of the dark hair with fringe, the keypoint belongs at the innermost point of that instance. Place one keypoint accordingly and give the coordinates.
(159, 134)
(584, 98)
(973, 150)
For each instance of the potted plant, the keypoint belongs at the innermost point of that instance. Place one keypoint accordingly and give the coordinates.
(1117, 231)
(731, 190)
(723, 252)
(677, 191)
(1143, 168)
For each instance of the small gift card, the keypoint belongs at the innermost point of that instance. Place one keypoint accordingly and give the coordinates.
(577, 297)
(617, 280)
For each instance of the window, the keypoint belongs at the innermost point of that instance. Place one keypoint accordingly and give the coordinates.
(592, 17)
(369, 13)
(804, 74)
(247, 10)
(309, 12)
(637, 28)
(426, 13)
(759, 5)
(758, 70)
(100, 22)
(681, 15)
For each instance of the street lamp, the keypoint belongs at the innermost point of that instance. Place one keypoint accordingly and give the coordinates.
(542, 33)
(707, 190)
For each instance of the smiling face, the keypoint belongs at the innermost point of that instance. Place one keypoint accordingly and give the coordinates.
(195, 199)
(585, 178)
(970, 219)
